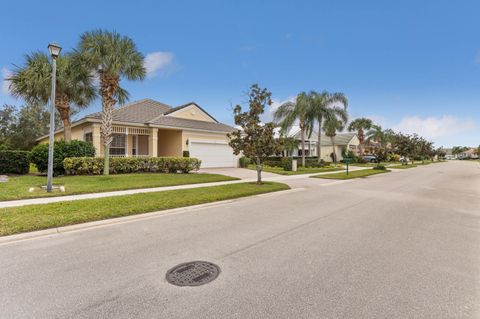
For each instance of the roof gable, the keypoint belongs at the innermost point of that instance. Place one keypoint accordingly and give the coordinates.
(191, 111)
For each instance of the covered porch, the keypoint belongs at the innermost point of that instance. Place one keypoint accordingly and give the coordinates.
(141, 142)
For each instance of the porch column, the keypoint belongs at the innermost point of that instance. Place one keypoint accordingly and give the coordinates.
(153, 143)
(96, 139)
(126, 142)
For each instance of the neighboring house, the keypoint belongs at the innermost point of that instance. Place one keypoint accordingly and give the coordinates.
(151, 128)
(468, 154)
(448, 154)
(343, 141)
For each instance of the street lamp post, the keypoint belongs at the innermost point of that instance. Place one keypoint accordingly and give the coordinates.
(54, 52)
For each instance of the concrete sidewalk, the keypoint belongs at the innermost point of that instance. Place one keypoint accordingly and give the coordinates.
(288, 179)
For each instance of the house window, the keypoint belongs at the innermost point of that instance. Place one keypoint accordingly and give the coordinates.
(88, 137)
(118, 144)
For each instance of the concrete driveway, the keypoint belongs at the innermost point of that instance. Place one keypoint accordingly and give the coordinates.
(398, 245)
(243, 173)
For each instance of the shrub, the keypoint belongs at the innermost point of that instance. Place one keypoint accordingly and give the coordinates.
(14, 162)
(244, 162)
(287, 163)
(380, 167)
(186, 154)
(393, 158)
(124, 165)
(61, 150)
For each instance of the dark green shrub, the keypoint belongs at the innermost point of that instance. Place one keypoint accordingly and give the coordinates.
(124, 165)
(287, 163)
(14, 162)
(186, 154)
(244, 162)
(380, 167)
(61, 150)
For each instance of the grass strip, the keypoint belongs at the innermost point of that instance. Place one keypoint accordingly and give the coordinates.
(36, 217)
(300, 170)
(402, 166)
(17, 187)
(352, 174)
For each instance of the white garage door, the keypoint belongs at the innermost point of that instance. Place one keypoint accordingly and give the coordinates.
(212, 153)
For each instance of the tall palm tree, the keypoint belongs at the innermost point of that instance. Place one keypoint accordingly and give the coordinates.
(322, 107)
(288, 113)
(360, 125)
(74, 87)
(113, 57)
(331, 126)
(375, 133)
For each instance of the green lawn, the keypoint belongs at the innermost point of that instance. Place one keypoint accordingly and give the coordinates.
(352, 174)
(300, 170)
(374, 164)
(402, 166)
(17, 187)
(35, 217)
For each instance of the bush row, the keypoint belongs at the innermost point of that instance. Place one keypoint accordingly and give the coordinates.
(61, 150)
(122, 165)
(14, 162)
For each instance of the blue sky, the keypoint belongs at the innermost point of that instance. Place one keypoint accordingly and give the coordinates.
(410, 65)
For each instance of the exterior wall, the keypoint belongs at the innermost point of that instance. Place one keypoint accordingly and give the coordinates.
(77, 133)
(142, 148)
(170, 142)
(192, 113)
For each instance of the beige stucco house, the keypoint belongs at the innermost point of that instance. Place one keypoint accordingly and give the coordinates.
(343, 141)
(151, 128)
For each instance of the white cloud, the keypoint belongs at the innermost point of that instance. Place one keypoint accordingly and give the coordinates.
(268, 115)
(434, 127)
(5, 74)
(158, 63)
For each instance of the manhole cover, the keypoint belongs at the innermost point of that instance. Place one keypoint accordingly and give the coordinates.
(194, 273)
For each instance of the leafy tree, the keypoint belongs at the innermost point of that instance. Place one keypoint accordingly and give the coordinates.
(288, 113)
(113, 57)
(331, 126)
(458, 149)
(255, 139)
(74, 87)
(19, 128)
(360, 125)
(477, 150)
(322, 106)
(288, 144)
(402, 145)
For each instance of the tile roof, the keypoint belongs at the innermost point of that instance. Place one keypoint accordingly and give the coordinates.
(340, 138)
(153, 113)
(193, 124)
(140, 111)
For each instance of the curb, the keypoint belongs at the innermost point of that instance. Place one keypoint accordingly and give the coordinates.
(50, 232)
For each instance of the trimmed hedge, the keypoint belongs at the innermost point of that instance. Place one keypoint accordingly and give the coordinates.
(61, 150)
(276, 161)
(14, 162)
(124, 165)
(244, 162)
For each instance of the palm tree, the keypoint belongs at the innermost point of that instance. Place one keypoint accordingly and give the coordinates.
(323, 106)
(360, 125)
(376, 134)
(288, 113)
(331, 126)
(74, 87)
(113, 57)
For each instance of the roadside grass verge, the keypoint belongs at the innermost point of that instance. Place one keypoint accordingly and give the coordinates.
(36, 217)
(17, 187)
(374, 164)
(300, 170)
(402, 166)
(352, 174)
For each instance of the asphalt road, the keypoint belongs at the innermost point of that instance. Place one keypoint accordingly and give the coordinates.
(399, 245)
